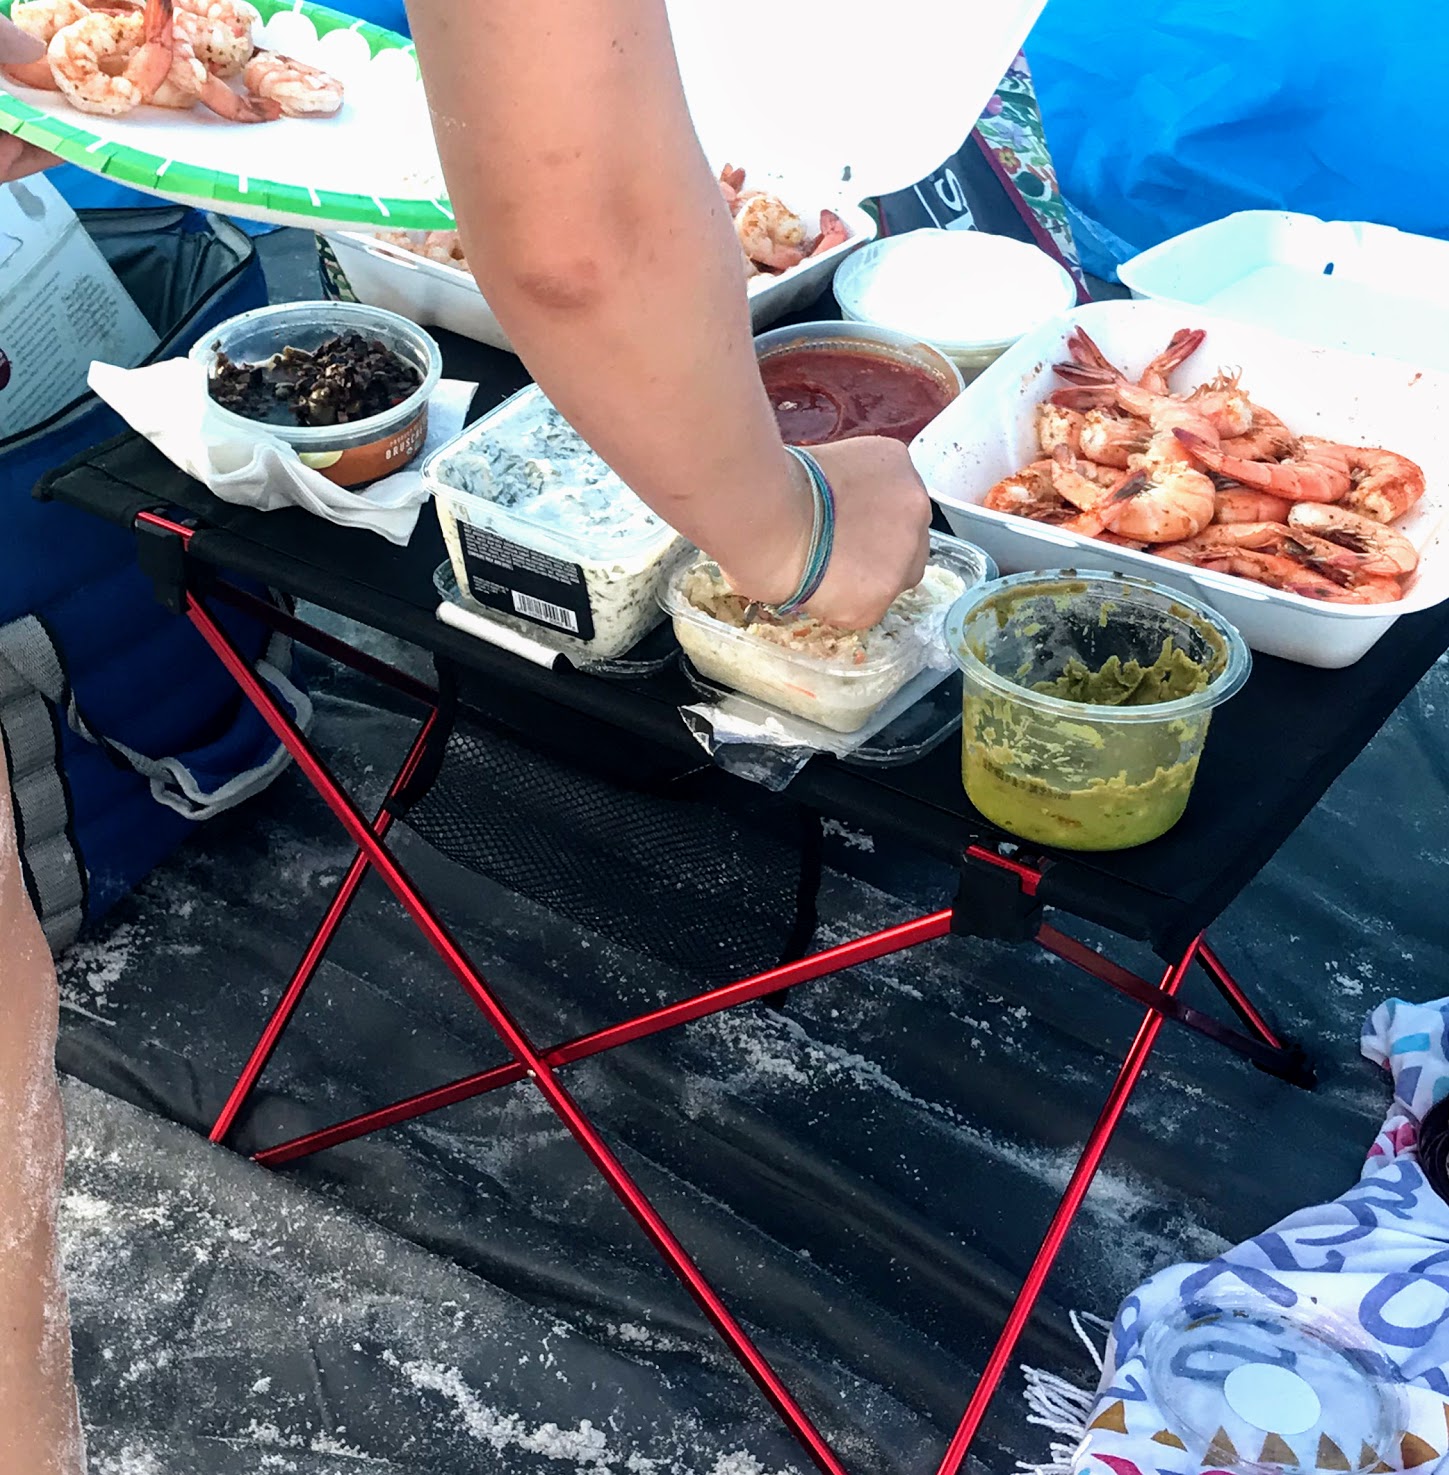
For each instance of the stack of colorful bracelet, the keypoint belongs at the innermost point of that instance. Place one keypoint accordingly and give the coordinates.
(822, 536)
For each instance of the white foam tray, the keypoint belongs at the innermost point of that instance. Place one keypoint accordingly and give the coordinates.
(435, 295)
(987, 433)
(1342, 284)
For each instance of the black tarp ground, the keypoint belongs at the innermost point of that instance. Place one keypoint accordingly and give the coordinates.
(865, 1176)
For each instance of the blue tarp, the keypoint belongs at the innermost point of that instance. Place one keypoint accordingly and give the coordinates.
(1165, 114)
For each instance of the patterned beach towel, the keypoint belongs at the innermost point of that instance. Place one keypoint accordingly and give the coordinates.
(1374, 1262)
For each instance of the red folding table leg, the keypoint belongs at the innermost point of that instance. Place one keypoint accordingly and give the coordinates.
(317, 948)
(519, 1045)
(1071, 1202)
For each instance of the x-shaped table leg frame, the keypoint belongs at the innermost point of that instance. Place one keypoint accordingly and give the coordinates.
(541, 1066)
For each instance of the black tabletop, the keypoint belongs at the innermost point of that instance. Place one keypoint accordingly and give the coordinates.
(1271, 753)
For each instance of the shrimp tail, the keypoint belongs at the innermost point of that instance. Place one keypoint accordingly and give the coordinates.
(233, 106)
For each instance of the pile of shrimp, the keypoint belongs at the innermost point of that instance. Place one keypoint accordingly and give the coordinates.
(109, 57)
(1211, 479)
(441, 246)
(772, 236)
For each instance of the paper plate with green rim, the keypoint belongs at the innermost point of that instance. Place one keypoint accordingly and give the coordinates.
(372, 165)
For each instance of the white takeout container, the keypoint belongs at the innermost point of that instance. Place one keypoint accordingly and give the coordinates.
(1341, 284)
(617, 568)
(932, 71)
(385, 275)
(972, 295)
(836, 692)
(988, 433)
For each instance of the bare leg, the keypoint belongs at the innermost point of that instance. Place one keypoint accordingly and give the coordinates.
(40, 1430)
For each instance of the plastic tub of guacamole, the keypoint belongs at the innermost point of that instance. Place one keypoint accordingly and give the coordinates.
(1087, 702)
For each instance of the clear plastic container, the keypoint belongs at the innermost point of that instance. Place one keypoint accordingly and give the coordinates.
(1084, 774)
(1253, 1388)
(363, 450)
(836, 679)
(894, 348)
(972, 295)
(543, 535)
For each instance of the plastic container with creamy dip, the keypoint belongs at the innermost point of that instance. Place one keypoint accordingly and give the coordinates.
(359, 451)
(545, 536)
(973, 295)
(838, 679)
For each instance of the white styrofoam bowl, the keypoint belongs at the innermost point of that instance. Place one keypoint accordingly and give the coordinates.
(988, 433)
(1338, 283)
(434, 295)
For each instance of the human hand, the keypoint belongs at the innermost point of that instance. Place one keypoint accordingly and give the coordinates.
(18, 159)
(882, 523)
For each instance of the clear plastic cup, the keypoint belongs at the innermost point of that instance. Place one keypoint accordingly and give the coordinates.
(360, 451)
(1086, 774)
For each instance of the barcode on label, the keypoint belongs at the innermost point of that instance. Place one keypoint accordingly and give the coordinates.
(550, 614)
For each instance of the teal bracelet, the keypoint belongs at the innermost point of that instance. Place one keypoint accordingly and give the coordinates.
(822, 535)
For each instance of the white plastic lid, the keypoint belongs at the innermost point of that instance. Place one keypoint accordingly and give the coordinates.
(959, 289)
(843, 93)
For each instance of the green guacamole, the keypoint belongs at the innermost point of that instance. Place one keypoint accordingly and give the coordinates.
(1172, 676)
(1088, 783)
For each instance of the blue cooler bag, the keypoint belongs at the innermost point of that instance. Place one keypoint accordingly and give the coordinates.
(121, 728)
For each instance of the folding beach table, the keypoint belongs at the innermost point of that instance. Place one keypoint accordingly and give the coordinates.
(610, 758)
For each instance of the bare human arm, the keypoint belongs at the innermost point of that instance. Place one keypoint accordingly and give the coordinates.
(601, 241)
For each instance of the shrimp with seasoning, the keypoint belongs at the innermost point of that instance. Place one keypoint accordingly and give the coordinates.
(1385, 484)
(1027, 493)
(1268, 440)
(299, 90)
(1242, 504)
(220, 33)
(190, 82)
(770, 233)
(1383, 550)
(1164, 498)
(42, 19)
(109, 64)
(1318, 473)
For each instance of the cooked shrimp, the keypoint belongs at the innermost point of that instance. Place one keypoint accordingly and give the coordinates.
(301, 91)
(731, 185)
(220, 33)
(832, 234)
(770, 233)
(1242, 504)
(1385, 485)
(1180, 347)
(189, 82)
(1269, 439)
(1219, 403)
(1056, 426)
(1273, 569)
(1027, 493)
(1073, 484)
(1319, 472)
(1381, 550)
(109, 64)
(1163, 499)
(42, 19)
(1111, 439)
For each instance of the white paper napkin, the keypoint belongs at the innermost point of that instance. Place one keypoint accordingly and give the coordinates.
(168, 403)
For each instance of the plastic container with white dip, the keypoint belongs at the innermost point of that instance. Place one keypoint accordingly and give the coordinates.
(972, 295)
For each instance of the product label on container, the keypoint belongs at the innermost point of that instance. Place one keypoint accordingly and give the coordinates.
(521, 581)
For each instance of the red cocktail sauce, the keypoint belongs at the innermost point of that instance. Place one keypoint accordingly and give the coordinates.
(833, 393)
